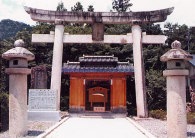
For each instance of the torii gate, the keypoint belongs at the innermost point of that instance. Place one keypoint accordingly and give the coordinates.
(98, 19)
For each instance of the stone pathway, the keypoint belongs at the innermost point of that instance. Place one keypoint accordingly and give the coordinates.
(76, 127)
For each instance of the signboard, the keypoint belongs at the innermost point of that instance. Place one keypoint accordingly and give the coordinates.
(42, 100)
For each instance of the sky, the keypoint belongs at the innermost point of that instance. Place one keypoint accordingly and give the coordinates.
(182, 14)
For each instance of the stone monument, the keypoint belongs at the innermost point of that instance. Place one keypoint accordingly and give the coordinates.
(18, 70)
(39, 77)
(42, 105)
(176, 90)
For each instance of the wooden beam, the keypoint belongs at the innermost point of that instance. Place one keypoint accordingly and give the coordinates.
(117, 39)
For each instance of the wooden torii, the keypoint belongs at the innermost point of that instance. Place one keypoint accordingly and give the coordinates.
(98, 19)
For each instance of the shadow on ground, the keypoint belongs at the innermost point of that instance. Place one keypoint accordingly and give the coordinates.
(191, 134)
(34, 133)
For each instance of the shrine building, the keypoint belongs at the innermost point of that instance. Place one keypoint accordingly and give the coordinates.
(98, 83)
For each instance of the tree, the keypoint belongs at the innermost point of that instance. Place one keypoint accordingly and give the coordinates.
(156, 89)
(78, 7)
(177, 32)
(8, 28)
(4, 114)
(61, 7)
(90, 8)
(121, 5)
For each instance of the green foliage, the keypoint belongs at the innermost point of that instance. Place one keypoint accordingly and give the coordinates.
(121, 5)
(64, 103)
(9, 28)
(152, 54)
(177, 32)
(158, 114)
(191, 40)
(131, 98)
(156, 89)
(152, 29)
(78, 7)
(43, 52)
(90, 8)
(162, 114)
(61, 7)
(80, 29)
(42, 28)
(5, 45)
(25, 35)
(4, 110)
(191, 118)
(117, 29)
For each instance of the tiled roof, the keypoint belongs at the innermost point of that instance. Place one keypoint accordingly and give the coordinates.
(97, 64)
(98, 59)
(72, 67)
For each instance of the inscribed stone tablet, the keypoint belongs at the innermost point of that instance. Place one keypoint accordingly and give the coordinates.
(39, 77)
(42, 99)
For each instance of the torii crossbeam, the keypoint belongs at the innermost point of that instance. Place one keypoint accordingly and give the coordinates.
(108, 39)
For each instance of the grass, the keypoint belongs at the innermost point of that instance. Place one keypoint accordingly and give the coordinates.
(191, 118)
(158, 114)
(162, 115)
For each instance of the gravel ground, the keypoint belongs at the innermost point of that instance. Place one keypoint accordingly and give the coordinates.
(159, 128)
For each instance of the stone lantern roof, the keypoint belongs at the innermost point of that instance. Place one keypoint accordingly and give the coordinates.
(176, 53)
(18, 52)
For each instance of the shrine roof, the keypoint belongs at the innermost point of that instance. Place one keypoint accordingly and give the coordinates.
(99, 17)
(97, 64)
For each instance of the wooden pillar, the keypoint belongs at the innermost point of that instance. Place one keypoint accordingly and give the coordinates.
(77, 95)
(139, 72)
(118, 95)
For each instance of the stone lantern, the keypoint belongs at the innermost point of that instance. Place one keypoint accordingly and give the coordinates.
(18, 62)
(176, 73)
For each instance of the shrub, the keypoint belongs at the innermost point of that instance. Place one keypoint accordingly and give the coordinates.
(191, 118)
(64, 103)
(161, 114)
(158, 114)
(4, 110)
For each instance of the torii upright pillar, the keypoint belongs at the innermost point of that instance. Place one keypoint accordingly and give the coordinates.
(57, 59)
(139, 72)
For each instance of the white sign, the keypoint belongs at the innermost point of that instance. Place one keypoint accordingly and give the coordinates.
(42, 100)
